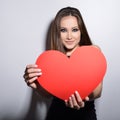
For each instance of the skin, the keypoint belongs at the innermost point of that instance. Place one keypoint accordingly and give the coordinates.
(70, 36)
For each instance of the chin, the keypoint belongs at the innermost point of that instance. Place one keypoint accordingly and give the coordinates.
(69, 48)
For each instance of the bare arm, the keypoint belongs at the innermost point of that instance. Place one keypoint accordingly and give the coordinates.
(75, 100)
(97, 92)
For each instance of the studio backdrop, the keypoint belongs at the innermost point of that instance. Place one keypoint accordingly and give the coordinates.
(23, 32)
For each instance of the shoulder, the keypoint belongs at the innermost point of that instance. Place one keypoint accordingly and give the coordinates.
(96, 46)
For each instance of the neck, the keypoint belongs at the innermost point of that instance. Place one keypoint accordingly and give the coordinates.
(70, 51)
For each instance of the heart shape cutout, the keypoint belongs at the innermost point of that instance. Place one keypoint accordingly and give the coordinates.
(62, 76)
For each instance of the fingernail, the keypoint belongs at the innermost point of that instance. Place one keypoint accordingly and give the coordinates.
(39, 69)
(39, 73)
(76, 92)
(36, 65)
(65, 100)
(72, 95)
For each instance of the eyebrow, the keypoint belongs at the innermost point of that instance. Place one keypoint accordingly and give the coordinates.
(72, 27)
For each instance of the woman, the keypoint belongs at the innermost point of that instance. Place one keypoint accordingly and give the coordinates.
(68, 32)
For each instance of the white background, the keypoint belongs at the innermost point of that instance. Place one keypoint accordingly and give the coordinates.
(23, 28)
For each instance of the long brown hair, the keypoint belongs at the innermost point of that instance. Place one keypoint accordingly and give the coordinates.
(55, 42)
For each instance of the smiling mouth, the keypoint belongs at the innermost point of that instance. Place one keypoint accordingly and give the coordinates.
(69, 42)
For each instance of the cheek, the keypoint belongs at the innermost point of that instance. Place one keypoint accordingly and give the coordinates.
(77, 37)
(62, 36)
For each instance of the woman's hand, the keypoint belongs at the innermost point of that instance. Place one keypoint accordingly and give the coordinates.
(75, 101)
(31, 74)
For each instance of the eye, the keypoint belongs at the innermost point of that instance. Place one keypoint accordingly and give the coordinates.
(75, 29)
(63, 30)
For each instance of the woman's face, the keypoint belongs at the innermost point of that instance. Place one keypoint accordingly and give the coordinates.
(70, 33)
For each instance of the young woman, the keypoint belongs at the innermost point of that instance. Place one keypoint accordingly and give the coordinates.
(68, 32)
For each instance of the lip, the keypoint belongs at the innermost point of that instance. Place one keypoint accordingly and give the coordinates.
(69, 42)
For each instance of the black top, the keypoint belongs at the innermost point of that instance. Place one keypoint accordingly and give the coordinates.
(59, 111)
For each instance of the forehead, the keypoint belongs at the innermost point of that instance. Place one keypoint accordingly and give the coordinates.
(69, 21)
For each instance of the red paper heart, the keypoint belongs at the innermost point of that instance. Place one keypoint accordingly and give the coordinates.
(62, 76)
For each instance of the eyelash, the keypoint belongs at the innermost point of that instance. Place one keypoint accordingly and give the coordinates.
(74, 30)
(63, 30)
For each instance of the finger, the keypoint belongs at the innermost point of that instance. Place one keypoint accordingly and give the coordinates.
(30, 66)
(86, 98)
(66, 103)
(33, 70)
(24, 76)
(32, 85)
(79, 99)
(82, 104)
(78, 96)
(74, 102)
(70, 102)
(32, 75)
(31, 80)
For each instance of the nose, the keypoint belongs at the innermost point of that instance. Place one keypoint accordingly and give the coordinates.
(69, 35)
